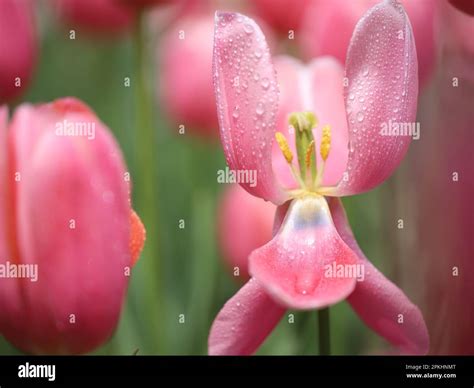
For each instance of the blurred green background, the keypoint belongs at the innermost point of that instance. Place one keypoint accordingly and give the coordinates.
(188, 275)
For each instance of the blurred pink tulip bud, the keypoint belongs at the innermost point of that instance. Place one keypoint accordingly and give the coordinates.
(283, 15)
(245, 223)
(466, 6)
(68, 236)
(146, 3)
(17, 47)
(95, 16)
(443, 239)
(328, 26)
(185, 73)
(185, 79)
(455, 35)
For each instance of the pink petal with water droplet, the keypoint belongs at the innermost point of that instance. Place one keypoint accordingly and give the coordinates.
(297, 266)
(244, 322)
(382, 73)
(247, 101)
(379, 302)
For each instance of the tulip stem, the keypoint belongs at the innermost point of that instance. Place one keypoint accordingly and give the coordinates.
(324, 332)
(146, 175)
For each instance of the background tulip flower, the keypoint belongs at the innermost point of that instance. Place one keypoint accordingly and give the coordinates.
(64, 209)
(323, 15)
(18, 49)
(245, 223)
(442, 242)
(455, 28)
(188, 97)
(291, 271)
(145, 3)
(189, 41)
(465, 6)
(282, 15)
(95, 16)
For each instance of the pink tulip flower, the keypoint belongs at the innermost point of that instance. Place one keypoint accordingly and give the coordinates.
(305, 265)
(341, 15)
(18, 49)
(65, 218)
(188, 42)
(443, 242)
(466, 6)
(146, 3)
(282, 15)
(456, 28)
(95, 16)
(245, 223)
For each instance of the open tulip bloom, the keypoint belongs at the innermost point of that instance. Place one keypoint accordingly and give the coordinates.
(335, 135)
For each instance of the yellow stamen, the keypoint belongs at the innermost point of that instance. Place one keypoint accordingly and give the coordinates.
(325, 146)
(284, 147)
(309, 153)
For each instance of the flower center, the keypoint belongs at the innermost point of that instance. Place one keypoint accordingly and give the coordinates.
(309, 175)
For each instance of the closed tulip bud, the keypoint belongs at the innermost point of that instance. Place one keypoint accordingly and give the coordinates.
(67, 231)
(17, 47)
(95, 16)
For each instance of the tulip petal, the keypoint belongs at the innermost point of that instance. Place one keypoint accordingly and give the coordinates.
(299, 266)
(3, 177)
(4, 250)
(73, 221)
(380, 303)
(382, 72)
(247, 101)
(244, 322)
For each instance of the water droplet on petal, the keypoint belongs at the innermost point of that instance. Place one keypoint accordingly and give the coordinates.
(306, 283)
(248, 28)
(351, 146)
(265, 83)
(235, 113)
(260, 109)
(360, 116)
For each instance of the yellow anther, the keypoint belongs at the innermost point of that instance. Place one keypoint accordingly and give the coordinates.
(309, 153)
(285, 148)
(325, 146)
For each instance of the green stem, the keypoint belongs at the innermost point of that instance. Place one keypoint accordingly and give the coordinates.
(146, 176)
(324, 332)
